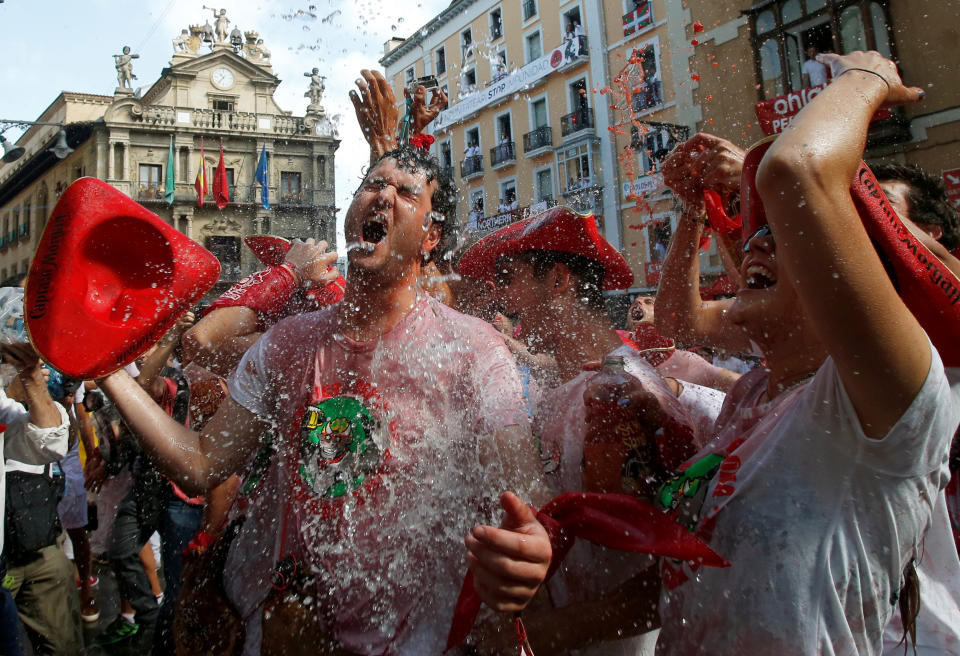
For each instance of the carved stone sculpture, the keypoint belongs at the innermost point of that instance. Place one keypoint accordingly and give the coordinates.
(124, 64)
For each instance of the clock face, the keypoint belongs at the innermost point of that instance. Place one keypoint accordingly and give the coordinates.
(222, 78)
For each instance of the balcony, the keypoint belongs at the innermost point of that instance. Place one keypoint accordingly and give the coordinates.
(577, 121)
(471, 166)
(529, 9)
(540, 139)
(503, 155)
(448, 171)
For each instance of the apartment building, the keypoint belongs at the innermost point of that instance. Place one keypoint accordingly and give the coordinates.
(531, 122)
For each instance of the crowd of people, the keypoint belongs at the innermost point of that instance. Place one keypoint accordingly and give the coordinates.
(323, 459)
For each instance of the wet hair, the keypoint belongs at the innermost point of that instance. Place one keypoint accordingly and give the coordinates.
(926, 199)
(588, 273)
(444, 198)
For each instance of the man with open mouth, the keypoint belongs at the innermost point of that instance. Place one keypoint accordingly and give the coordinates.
(364, 549)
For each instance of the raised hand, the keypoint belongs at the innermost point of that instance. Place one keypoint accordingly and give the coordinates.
(377, 112)
(703, 162)
(422, 112)
(312, 262)
(509, 563)
(874, 65)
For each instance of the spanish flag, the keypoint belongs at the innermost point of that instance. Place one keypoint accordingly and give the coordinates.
(201, 182)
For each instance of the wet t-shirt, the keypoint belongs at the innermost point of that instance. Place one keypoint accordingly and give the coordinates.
(376, 472)
(818, 521)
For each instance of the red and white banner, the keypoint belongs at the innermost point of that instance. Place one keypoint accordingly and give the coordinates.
(775, 114)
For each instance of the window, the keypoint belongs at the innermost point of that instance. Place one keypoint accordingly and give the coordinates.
(290, 186)
(221, 105)
(575, 167)
(473, 137)
(446, 155)
(466, 43)
(321, 170)
(409, 76)
(503, 128)
(227, 250)
(440, 61)
(658, 239)
(476, 205)
(14, 234)
(498, 67)
(27, 216)
(529, 9)
(786, 37)
(508, 196)
(150, 185)
(543, 185)
(533, 47)
(496, 24)
(538, 113)
(469, 83)
(650, 93)
(653, 146)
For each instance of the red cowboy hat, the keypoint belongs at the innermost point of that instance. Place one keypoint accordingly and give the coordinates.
(558, 229)
(108, 279)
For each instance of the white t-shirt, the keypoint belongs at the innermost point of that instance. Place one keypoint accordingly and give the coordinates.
(817, 520)
(376, 474)
(816, 71)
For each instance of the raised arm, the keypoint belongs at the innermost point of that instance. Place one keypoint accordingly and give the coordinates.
(804, 181)
(149, 377)
(705, 161)
(195, 461)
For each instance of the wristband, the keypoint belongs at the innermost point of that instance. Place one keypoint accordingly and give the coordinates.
(867, 70)
(266, 292)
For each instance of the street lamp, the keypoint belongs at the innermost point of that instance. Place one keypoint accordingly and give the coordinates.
(12, 152)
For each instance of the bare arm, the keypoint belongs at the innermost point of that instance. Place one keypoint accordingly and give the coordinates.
(219, 340)
(680, 312)
(43, 409)
(511, 450)
(702, 162)
(195, 461)
(880, 350)
(149, 377)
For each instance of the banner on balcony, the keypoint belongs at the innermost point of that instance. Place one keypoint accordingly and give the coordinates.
(639, 18)
(503, 88)
(775, 114)
(496, 221)
(642, 185)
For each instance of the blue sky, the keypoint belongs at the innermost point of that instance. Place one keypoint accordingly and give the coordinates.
(59, 45)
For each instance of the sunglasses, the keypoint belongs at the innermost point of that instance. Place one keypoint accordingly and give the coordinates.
(762, 231)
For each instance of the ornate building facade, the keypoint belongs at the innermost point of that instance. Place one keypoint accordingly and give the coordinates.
(217, 90)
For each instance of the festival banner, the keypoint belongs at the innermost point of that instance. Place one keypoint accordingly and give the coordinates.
(775, 114)
(639, 18)
(503, 88)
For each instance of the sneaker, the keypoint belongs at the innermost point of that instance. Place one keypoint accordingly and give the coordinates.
(119, 629)
(92, 582)
(90, 612)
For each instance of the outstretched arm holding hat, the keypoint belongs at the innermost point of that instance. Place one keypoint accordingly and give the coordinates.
(880, 350)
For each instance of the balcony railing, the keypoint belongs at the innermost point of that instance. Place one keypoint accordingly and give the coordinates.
(448, 171)
(166, 117)
(574, 122)
(505, 152)
(471, 166)
(541, 137)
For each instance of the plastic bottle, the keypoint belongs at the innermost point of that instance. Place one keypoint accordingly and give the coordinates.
(619, 453)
